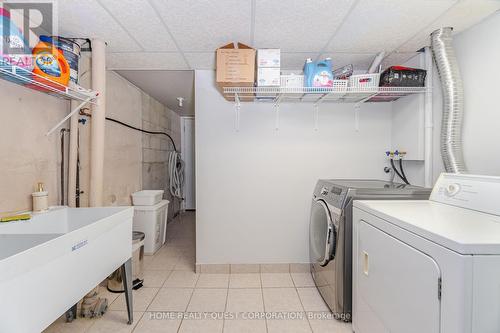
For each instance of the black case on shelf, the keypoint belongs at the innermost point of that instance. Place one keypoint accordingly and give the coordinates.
(399, 76)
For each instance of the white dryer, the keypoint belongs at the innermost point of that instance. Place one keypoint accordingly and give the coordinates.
(429, 266)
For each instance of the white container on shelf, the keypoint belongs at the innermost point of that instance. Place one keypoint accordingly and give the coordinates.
(152, 221)
(147, 197)
(268, 77)
(269, 58)
(340, 85)
(364, 81)
(292, 80)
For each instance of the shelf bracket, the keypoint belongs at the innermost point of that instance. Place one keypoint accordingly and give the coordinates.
(316, 116)
(237, 108)
(75, 110)
(277, 119)
(277, 102)
(321, 99)
(357, 107)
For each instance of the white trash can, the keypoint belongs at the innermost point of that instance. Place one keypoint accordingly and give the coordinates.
(115, 280)
(152, 221)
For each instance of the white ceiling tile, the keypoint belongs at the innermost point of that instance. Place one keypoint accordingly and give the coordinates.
(203, 60)
(86, 18)
(360, 61)
(463, 15)
(166, 86)
(144, 60)
(295, 61)
(204, 25)
(298, 25)
(142, 22)
(378, 25)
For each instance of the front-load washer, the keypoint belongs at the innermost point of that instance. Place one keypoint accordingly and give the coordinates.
(430, 265)
(330, 233)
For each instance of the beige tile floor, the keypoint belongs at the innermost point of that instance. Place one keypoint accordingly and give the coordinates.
(176, 299)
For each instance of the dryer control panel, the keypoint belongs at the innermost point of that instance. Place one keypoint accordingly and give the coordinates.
(474, 192)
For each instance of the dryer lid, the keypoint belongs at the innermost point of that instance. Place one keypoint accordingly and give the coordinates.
(462, 230)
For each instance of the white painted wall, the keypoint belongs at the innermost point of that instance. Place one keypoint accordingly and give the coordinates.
(254, 186)
(478, 53)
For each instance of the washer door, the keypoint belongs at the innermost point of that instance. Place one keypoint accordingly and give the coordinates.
(322, 234)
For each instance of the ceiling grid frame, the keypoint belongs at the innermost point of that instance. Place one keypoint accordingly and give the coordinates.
(344, 20)
(99, 2)
(252, 21)
(395, 51)
(155, 9)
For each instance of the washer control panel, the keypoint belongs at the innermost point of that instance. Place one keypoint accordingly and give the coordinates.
(479, 193)
(332, 195)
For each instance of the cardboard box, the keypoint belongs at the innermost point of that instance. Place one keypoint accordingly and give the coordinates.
(268, 77)
(235, 67)
(269, 58)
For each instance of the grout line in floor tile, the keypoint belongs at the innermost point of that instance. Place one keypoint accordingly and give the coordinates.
(225, 307)
(304, 308)
(137, 322)
(152, 299)
(185, 311)
(263, 302)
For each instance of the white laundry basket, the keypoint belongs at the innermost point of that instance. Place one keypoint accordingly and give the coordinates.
(152, 221)
(365, 81)
(147, 197)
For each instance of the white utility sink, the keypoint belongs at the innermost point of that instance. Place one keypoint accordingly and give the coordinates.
(48, 263)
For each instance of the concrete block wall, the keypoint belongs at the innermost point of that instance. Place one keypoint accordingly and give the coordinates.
(133, 161)
(156, 148)
(28, 156)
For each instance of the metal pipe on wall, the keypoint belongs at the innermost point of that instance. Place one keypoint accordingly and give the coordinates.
(428, 121)
(98, 123)
(453, 100)
(72, 158)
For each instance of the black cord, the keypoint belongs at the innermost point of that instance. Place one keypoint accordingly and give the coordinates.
(397, 172)
(402, 170)
(141, 130)
(131, 127)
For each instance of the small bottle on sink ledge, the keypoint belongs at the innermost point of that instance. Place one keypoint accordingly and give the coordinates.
(40, 199)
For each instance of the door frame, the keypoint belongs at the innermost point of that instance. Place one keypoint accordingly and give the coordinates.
(189, 177)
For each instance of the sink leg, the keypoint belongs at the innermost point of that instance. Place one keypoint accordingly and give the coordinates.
(127, 286)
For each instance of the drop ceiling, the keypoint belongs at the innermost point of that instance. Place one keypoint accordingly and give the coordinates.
(166, 86)
(183, 34)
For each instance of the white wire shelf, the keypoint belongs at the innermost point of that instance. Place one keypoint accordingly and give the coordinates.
(36, 82)
(317, 95)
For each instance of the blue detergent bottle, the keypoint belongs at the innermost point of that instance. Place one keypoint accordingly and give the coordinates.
(308, 69)
(318, 74)
(21, 54)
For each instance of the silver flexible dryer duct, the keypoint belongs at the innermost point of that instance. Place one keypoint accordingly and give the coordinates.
(453, 100)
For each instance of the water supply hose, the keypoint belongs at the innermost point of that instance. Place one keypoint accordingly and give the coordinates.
(176, 174)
